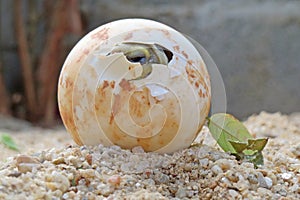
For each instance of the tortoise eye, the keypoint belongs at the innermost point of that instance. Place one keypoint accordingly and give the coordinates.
(138, 59)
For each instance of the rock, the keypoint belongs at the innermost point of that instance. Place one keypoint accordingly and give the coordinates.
(27, 167)
(216, 169)
(286, 176)
(114, 180)
(57, 181)
(269, 182)
(26, 159)
(27, 163)
(233, 193)
(138, 149)
(181, 193)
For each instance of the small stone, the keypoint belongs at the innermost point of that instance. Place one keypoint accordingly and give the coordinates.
(225, 182)
(26, 159)
(114, 180)
(27, 163)
(137, 185)
(224, 164)
(261, 180)
(181, 193)
(87, 173)
(142, 166)
(65, 196)
(252, 178)
(241, 185)
(57, 181)
(233, 193)
(137, 149)
(105, 189)
(286, 176)
(58, 161)
(161, 178)
(89, 159)
(263, 192)
(280, 190)
(204, 163)
(15, 174)
(232, 176)
(188, 167)
(269, 182)
(27, 167)
(74, 161)
(173, 189)
(216, 169)
(296, 151)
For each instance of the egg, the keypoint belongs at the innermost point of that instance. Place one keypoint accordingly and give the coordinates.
(134, 82)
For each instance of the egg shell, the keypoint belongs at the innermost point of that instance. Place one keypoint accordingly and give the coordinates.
(163, 112)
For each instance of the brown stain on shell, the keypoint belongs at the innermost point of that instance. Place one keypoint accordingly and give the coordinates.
(185, 54)
(196, 79)
(69, 75)
(101, 35)
(128, 36)
(125, 85)
(176, 48)
(139, 104)
(65, 101)
(84, 53)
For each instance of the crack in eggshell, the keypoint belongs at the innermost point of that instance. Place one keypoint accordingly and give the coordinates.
(174, 73)
(157, 90)
(140, 103)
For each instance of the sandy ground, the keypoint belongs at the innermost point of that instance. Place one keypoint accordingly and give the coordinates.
(203, 172)
(30, 139)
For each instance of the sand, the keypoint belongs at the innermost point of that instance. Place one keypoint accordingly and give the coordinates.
(50, 166)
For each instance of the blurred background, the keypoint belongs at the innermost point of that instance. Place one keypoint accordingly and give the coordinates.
(255, 44)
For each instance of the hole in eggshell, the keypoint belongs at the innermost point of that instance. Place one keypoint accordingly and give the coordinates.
(142, 59)
(141, 56)
(169, 54)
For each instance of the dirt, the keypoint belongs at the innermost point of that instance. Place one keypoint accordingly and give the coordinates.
(50, 166)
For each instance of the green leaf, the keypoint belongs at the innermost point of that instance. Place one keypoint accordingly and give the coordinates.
(257, 144)
(9, 142)
(249, 148)
(232, 136)
(225, 128)
(239, 147)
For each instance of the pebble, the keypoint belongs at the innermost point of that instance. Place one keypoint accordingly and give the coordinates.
(161, 177)
(181, 193)
(252, 178)
(114, 180)
(27, 167)
(269, 182)
(261, 180)
(233, 193)
(296, 151)
(286, 176)
(27, 163)
(137, 149)
(216, 169)
(204, 163)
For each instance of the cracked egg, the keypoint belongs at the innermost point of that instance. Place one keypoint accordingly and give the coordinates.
(134, 82)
